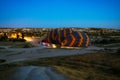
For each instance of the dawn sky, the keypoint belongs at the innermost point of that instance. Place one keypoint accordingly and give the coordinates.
(60, 13)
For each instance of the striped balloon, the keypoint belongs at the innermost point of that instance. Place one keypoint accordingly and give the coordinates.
(76, 39)
(67, 37)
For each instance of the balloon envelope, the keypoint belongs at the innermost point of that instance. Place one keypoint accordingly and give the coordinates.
(67, 37)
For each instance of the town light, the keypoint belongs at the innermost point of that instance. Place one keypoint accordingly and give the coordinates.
(54, 46)
(28, 39)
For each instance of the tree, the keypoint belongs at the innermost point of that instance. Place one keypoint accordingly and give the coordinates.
(17, 36)
(22, 35)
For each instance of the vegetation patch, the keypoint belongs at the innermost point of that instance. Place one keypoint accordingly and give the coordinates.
(16, 40)
(4, 51)
(4, 43)
(107, 41)
(2, 60)
(22, 45)
(2, 48)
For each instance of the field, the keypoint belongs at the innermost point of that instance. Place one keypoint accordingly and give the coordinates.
(102, 65)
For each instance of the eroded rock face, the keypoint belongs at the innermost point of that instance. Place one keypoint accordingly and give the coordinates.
(31, 73)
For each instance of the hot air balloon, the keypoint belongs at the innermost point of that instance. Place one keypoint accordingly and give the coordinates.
(67, 37)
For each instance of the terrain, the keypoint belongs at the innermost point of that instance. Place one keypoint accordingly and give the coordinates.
(92, 63)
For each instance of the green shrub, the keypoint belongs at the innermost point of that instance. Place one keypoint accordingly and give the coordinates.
(2, 60)
(17, 40)
(27, 46)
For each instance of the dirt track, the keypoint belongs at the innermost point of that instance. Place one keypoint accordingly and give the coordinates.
(23, 54)
(32, 73)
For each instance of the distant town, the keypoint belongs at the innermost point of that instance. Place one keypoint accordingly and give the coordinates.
(96, 35)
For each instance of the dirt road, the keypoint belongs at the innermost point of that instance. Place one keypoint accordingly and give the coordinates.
(31, 73)
(23, 54)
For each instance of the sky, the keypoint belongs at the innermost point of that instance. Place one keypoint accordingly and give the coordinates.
(60, 13)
